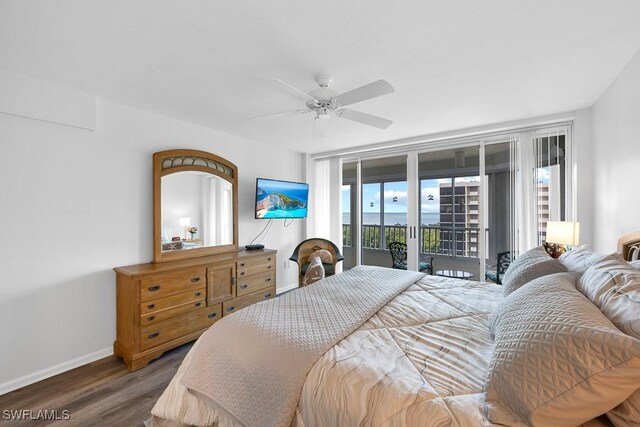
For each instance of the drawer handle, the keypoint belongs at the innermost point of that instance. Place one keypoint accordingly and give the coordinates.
(268, 259)
(269, 266)
(231, 308)
(212, 315)
(150, 318)
(198, 294)
(198, 304)
(268, 279)
(267, 296)
(195, 279)
(245, 286)
(150, 306)
(242, 264)
(153, 335)
(153, 288)
(242, 273)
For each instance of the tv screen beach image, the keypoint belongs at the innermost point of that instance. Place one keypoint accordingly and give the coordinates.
(281, 199)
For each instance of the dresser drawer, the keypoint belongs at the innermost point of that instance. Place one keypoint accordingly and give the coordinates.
(249, 284)
(250, 271)
(171, 301)
(176, 327)
(173, 311)
(253, 262)
(236, 304)
(163, 285)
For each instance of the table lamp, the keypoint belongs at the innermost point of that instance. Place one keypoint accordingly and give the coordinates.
(559, 235)
(185, 222)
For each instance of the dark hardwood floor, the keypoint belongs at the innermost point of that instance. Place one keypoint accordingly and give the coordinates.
(102, 393)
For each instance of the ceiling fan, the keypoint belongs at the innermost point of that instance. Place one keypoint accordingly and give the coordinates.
(324, 101)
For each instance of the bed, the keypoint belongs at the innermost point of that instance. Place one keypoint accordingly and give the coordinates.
(420, 351)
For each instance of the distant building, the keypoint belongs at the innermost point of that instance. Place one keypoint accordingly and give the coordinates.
(459, 218)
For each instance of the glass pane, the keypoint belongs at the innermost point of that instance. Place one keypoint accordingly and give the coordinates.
(349, 181)
(498, 199)
(550, 175)
(449, 210)
(384, 208)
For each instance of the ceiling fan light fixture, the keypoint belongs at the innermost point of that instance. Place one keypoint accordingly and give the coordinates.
(322, 113)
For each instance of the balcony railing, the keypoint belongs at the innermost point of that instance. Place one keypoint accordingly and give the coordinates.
(434, 240)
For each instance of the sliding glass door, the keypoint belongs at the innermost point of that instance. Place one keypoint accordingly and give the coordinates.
(450, 228)
(458, 207)
(384, 208)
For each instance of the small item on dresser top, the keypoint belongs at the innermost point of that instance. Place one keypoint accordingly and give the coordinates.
(253, 247)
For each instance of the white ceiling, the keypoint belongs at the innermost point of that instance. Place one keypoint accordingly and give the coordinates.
(454, 64)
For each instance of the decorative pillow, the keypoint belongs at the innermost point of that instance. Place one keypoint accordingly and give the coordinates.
(557, 360)
(613, 285)
(529, 266)
(315, 271)
(580, 259)
(325, 256)
(635, 264)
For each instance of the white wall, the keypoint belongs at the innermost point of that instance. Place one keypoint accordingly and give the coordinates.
(76, 203)
(583, 152)
(616, 153)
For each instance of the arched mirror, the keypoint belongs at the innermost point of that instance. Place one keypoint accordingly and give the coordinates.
(195, 205)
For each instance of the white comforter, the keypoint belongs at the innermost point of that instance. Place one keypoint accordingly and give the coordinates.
(421, 360)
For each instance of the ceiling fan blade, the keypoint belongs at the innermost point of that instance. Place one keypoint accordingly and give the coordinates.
(372, 90)
(364, 118)
(283, 113)
(295, 91)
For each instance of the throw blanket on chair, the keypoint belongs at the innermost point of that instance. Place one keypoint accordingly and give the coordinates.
(252, 365)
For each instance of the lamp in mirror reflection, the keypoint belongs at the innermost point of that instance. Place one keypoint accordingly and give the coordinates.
(561, 234)
(186, 223)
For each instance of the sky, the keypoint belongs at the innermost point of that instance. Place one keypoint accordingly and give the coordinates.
(371, 195)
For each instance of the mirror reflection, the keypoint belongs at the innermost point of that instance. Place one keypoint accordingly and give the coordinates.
(197, 211)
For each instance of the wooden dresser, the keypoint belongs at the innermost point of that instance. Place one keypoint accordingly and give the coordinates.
(161, 306)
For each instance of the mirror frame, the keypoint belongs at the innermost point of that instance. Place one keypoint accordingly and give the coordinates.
(181, 160)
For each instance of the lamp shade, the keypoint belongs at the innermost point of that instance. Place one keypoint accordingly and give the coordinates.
(185, 222)
(563, 232)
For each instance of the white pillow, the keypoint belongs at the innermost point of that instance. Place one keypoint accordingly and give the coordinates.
(635, 264)
(557, 360)
(580, 259)
(613, 285)
(530, 265)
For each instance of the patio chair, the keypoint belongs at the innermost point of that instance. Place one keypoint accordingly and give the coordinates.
(503, 260)
(399, 258)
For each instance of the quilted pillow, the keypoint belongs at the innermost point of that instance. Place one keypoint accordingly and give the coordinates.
(557, 360)
(580, 259)
(529, 266)
(614, 286)
(315, 271)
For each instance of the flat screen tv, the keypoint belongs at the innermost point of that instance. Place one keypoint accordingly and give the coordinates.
(281, 199)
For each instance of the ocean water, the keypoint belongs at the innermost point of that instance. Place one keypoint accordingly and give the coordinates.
(292, 213)
(393, 218)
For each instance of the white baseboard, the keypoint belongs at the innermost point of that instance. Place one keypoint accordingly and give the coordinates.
(286, 288)
(17, 383)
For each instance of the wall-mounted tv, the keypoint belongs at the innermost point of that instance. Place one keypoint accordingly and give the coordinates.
(281, 199)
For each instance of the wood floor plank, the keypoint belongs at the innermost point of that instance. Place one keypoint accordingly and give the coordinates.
(102, 393)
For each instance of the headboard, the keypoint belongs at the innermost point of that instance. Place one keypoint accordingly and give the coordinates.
(629, 246)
